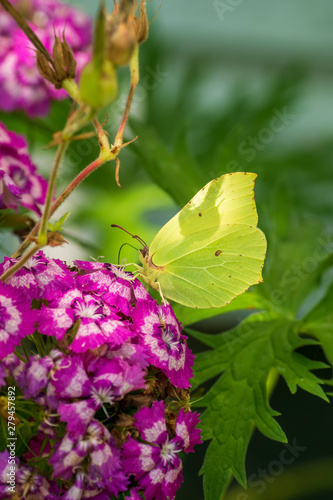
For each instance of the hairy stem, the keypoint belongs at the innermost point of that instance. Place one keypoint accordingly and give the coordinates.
(42, 236)
(63, 196)
(134, 68)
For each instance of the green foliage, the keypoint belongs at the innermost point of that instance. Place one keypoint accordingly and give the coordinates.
(291, 310)
(179, 150)
(57, 226)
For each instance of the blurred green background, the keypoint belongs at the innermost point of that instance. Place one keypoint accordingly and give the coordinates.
(225, 86)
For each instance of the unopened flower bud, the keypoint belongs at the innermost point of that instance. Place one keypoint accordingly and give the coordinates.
(98, 86)
(64, 64)
(69, 59)
(64, 61)
(45, 69)
(142, 24)
(121, 42)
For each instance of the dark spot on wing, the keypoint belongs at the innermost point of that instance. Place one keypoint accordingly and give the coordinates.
(218, 252)
(200, 214)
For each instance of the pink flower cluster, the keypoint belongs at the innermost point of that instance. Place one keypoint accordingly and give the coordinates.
(21, 86)
(19, 182)
(112, 384)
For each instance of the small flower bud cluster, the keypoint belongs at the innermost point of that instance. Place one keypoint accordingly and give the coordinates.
(64, 63)
(108, 394)
(125, 31)
(21, 85)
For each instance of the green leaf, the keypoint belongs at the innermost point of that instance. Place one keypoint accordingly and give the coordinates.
(57, 226)
(177, 174)
(239, 399)
(319, 322)
(247, 301)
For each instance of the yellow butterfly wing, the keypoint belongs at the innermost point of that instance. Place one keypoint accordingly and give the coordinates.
(229, 199)
(213, 266)
(211, 251)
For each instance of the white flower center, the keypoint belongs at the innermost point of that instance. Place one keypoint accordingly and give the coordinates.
(32, 262)
(169, 451)
(102, 396)
(87, 310)
(121, 273)
(170, 340)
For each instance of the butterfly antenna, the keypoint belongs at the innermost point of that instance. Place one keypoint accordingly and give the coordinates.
(120, 249)
(136, 237)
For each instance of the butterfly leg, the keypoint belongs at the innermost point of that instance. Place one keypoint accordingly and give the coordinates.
(159, 289)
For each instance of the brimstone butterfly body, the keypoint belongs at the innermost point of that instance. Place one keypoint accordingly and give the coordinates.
(212, 250)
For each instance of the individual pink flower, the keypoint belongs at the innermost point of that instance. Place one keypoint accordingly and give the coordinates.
(96, 321)
(154, 460)
(17, 320)
(40, 277)
(19, 182)
(160, 333)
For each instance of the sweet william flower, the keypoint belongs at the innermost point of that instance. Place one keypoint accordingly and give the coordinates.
(40, 277)
(19, 182)
(96, 322)
(17, 320)
(160, 333)
(29, 485)
(5, 469)
(81, 392)
(155, 463)
(98, 448)
(119, 286)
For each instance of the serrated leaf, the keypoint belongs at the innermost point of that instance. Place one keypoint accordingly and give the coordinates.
(239, 400)
(319, 322)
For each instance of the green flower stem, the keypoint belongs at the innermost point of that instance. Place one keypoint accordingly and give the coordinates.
(134, 68)
(79, 178)
(102, 137)
(20, 263)
(63, 196)
(73, 90)
(42, 236)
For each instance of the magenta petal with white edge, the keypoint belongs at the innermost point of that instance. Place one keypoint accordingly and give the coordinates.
(151, 423)
(120, 375)
(106, 468)
(17, 320)
(40, 277)
(186, 429)
(78, 415)
(156, 464)
(119, 288)
(20, 184)
(160, 333)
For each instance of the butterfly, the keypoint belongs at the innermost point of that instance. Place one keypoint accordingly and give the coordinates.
(212, 250)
